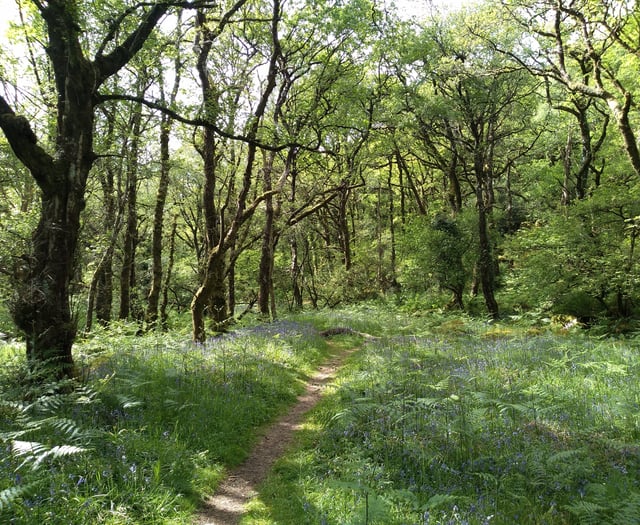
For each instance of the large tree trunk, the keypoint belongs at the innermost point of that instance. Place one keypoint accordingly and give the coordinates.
(208, 292)
(41, 307)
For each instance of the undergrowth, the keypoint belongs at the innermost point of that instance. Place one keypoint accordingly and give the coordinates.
(150, 427)
(466, 422)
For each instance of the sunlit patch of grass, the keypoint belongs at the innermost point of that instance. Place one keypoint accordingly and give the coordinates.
(156, 423)
(468, 428)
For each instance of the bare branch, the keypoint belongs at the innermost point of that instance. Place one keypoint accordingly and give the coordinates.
(195, 121)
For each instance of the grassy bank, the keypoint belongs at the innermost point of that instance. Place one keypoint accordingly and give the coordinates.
(468, 423)
(436, 420)
(152, 427)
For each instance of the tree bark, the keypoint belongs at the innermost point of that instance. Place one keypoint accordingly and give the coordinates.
(296, 273)
(212, 289)
(209, 288)
(265, 270)
(127, 272)
(153, 298)
(485, 261)
(167, 280)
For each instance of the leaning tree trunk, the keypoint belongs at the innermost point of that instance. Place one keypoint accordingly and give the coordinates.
(210, 290)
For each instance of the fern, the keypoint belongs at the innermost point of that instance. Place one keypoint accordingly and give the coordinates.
(587, 512)
(629, 510)
(8, 497)
(35, 453)
(563, 456)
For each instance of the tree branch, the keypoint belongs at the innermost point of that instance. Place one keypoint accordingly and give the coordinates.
(23, 142)
(109, 65)
(198, 122)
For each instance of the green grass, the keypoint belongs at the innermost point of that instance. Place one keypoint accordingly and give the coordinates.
(152, 427)
(468, 423)
(440, 420)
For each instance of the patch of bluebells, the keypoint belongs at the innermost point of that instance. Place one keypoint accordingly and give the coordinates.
(280, 328)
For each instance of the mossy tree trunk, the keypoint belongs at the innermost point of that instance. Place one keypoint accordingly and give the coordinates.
(41, 306)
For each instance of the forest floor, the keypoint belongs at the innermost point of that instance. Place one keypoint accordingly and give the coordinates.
(227, 505)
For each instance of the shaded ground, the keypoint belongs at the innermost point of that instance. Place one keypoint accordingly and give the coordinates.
(226, 506)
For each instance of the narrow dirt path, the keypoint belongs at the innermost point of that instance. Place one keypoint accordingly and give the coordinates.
(226, 506)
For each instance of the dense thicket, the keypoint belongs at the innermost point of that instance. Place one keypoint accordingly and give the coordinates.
(174, 157)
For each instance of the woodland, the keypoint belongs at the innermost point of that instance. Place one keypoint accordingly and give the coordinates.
(198, 158)
(172, 172)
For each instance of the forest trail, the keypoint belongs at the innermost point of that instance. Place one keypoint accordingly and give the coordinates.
(226, 506)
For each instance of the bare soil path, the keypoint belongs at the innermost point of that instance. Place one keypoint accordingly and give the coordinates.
(226, 506)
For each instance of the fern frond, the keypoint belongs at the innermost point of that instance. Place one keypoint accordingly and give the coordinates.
(22, 448)
(57, 452)
(587, 512)
(128, 401)
(36, 453)
(9, 496)
(49, 404)
(438, 500)
(563, 455)
(66, 426)
(629, 510)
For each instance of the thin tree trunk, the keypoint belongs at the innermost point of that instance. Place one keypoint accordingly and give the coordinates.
(380, 274)
(102, 273)
(566, 169)
(296, 273)
(127, 273)
(153, 297)
(404, 170)
(485, 261)
(265, 269)
(392, 229)
(344, 234)
(167, 280)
